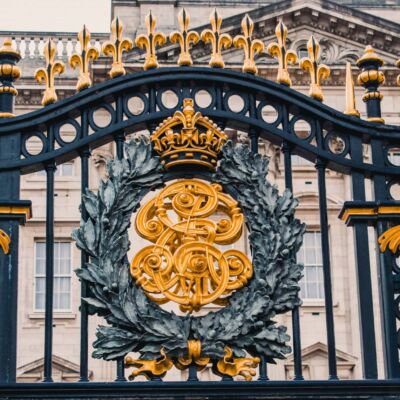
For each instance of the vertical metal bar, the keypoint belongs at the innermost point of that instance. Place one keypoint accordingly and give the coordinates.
(84, 155)
(330, 330)
(262, 369)
(298, 369)
(385, 275)
(48, 322)
(363, 270)
(192, 373)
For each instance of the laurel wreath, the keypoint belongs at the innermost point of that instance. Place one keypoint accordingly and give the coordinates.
(136, 324)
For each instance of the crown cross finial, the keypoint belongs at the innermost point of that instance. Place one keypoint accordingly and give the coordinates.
(284, 56)
(116, 47)
(184, 38)
(47, 74)
(317, 71)
(218, 41)
(250, 46)
(82, 60)
(150, 41)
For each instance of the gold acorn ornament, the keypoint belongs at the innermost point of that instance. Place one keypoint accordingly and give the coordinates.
(47, 74)
(184, 38)
(317, 71)
(150, 42)
(217, 39)
(284, 56)
(88, 54)
(250, 46)
(116, 47)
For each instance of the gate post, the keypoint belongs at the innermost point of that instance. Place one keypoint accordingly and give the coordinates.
(12, 212)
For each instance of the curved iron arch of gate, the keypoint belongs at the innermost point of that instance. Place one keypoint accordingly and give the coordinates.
(289, 107)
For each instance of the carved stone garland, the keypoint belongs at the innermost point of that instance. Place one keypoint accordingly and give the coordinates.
(163, 339)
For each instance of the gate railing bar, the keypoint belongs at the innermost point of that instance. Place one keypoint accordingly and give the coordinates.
(363, 271)
(84, 155)
(296, 333)
(48, 322)
(330, 329)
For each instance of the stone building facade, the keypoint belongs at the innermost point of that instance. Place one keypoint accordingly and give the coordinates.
(343, 29)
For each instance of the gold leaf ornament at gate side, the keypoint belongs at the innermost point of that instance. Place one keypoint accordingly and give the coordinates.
(185, 222)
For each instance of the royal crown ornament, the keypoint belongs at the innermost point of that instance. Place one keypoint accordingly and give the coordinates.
(198, 141)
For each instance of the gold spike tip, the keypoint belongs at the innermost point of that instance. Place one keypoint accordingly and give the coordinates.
(370, 56)
(350, 96)
(7, 49)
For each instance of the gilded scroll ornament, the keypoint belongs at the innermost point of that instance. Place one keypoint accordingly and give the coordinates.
(185, 265)
(250, 46)
(317, 71)
(390, 239)
(5, 242)
(47, 74)
(116, 47)
(193, 357)
(218, 40)
(284, 56)
(150, 41)
(184, 38)
(198, 140)
(88, 54)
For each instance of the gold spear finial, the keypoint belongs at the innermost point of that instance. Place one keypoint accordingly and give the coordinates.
(218, 41)
(184, 38)
(47, 74)
(150, 41)
(250, 46)
(284, 56)
(88, 53)
(398, 76)
(116, 47)
(350, 96)
(317, 71)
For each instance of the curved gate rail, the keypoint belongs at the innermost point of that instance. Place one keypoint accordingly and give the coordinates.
(327, 127)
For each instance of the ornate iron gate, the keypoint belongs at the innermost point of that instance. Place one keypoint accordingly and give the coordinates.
(327, 126)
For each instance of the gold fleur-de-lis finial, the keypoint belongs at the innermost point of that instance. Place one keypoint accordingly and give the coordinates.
(88, 53)
(184, 38)
(284, 56)
(250, 46)
(150, 41)
(47, 74)
(218, 41)
(350, 97)
(116, 47)
(317, 71)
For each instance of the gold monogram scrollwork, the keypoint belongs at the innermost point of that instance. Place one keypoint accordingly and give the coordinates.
(250, 46)
(390, 239)
(184, 38)
(217, 39)
(150, 41)
(183, 265)
(5, 242)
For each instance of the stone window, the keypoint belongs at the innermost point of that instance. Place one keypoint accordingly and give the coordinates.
(310, 254)
(66, 169)
(62, 276)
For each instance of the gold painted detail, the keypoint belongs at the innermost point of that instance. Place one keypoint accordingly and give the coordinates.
(284, 56)
(370, 55)
(8, 49)
(6, 115)
(5, 242)
(16, 210)
(250, 46)
(398, 76)
(232, 366)
(217, 39)
(198, 141)
(9, 70)
(350, 96)
(317, 71)
(391, 239)
(88, 53)
(369, 211)
(116, 47)
(150, 41)
(183, 265)
(47, 74)
(193, 357)
(184, 38)
(149, 368)
(8, 89)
